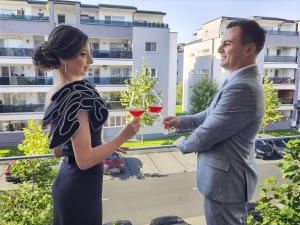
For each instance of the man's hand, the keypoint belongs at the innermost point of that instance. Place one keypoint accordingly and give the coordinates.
(171, 122)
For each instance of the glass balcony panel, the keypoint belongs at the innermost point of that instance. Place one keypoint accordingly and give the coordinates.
(281, 32)
(22, 108)
(112, 54)
(286, 100)
(282, 80)
(25, 52)
(23, 17)
(114, 105)
(123, 23)
(277, 58)
(108, 80)
(26, 80)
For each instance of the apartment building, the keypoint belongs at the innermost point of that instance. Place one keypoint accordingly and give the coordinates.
(279, 60)
(179, 74)
(120, 37)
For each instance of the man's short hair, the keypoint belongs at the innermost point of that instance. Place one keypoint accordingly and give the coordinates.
(251, 32)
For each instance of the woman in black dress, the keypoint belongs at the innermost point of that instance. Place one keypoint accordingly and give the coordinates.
(75, 113)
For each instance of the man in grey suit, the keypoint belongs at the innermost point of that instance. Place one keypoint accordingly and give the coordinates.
(224, 134)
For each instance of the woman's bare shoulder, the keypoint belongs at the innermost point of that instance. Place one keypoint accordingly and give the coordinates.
(49, 95)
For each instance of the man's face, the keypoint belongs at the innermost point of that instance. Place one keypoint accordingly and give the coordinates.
(233, 53)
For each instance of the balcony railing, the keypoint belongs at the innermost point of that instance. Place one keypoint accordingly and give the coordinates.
(22, 108)
(24, 52)
(23, 17)
(281, 32)
(114, 105)
(287, 100)
(108, 80)
(282, 80)
(278, 58)
(110, 105)
(112, 54)
(123, 23)
(26, 80)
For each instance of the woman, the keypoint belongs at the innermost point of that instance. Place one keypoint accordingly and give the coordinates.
(76, 113)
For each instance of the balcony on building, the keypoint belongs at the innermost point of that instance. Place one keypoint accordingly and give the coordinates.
(16, 52)
(22, 108)
(282, 32)
(24, 24)
(22, 80)
(281, 59)
(282, 80)
(112, 54)
(108, 80)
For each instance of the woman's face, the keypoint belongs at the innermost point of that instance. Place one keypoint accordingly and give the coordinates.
(79, 65)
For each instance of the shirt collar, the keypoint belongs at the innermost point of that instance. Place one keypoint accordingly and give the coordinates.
(232, 74)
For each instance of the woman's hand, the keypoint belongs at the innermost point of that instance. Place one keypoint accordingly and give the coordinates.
(130, 129)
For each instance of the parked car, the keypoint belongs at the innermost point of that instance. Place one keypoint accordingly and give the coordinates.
(119, 222)
(7, 173)
(168, 220)
(263, 150)
(254, 212)
(114, 164)
(278, 145)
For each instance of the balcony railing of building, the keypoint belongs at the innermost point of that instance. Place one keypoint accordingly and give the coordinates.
(13, 80)
(114, 105)
(110, 105)
(23, 17)
(108, 80)
(123, 23)
(24, 52)
(22, 108)
(286, 100)
(279, 58)
(282, 80)
(112, 54)
(281, 32)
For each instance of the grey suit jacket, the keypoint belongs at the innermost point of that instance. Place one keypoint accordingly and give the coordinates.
(224, 138)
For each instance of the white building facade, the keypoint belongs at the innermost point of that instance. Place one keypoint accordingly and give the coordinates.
(279, 60)
(120, 37)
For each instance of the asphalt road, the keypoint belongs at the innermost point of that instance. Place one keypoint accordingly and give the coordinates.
(157, 183)
(141, 196)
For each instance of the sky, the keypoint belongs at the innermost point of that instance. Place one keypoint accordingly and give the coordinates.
(187, 16)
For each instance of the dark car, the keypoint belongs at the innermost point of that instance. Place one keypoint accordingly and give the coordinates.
(119, 222)
(251, 209)
(7, 173)
(278, 145)
(168, 220)
(263, 150)
(114, 164)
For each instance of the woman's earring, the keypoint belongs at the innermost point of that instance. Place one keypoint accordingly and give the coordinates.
(65, 67)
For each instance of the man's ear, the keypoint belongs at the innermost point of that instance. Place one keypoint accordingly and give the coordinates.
(250, 49)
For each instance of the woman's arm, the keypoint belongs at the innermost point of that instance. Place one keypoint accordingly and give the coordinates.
(85, 155)
(57, 151)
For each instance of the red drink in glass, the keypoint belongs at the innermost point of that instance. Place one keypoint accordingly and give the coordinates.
(136, 112)
(155, 108)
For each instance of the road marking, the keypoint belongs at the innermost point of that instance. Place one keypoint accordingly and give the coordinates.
(105, 199)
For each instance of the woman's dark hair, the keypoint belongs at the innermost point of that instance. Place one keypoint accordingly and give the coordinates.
(64, 42)
(251, 32)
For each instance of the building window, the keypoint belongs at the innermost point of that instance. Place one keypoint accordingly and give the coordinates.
(120, 72)
(151, 47)
(152, 72)
(61, 19)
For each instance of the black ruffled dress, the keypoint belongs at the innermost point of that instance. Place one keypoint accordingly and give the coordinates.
(77, 194)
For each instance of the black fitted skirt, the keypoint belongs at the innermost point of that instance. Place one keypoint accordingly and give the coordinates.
(77, 194)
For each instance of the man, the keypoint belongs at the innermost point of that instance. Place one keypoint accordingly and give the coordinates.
(224, 135)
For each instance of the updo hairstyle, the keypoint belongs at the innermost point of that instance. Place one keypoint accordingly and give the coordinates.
(64, 42)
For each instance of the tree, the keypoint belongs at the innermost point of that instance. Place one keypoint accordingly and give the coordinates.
(280, 204)
(179, 94)
(31, 201)
(203, 93)
(272, 114)
(141, 85)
